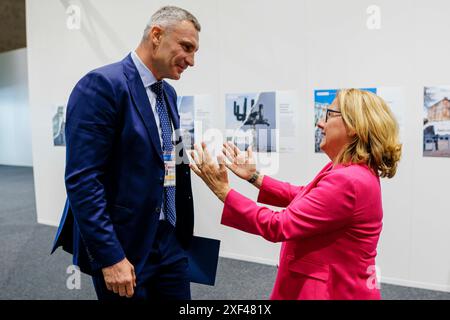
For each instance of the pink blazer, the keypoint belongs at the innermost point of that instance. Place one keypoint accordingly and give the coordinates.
(329, 232)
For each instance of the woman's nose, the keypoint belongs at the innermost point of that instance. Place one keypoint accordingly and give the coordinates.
(321, 124)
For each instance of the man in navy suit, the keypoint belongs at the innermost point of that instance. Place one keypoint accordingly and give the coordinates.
(128, 217)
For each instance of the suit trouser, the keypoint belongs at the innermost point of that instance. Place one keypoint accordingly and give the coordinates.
(165, 273)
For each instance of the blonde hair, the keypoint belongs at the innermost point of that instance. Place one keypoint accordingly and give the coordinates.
(376, 139)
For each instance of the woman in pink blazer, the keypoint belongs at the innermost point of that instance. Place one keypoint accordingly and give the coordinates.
(329, 228)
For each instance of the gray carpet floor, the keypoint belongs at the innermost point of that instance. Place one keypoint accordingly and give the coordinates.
(27, 271)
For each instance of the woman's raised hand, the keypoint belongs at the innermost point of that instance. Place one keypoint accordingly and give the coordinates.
(241, 163)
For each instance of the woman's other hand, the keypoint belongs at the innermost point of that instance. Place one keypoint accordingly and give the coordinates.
(214, 175)
(241, 163)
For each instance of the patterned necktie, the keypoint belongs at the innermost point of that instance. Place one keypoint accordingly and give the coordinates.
(166, 128)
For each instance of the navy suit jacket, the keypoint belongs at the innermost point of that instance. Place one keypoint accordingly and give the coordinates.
(115, 171)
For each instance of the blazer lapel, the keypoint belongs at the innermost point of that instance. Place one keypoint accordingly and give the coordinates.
(142, 104)
(316, 180)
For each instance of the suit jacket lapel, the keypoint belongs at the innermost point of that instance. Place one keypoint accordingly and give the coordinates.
(142, 104)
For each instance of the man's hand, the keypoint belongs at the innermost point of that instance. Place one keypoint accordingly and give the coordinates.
(120, 278)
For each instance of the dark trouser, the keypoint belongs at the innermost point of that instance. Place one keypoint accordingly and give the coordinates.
(164, 276)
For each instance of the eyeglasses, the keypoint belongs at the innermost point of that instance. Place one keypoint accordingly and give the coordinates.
(329, 112)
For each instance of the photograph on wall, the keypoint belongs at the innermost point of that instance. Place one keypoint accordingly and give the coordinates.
(59, 124)
(393, 96)
(187, 115)
(195, 117)
(436, 121)
(251, 120)
(322, 100)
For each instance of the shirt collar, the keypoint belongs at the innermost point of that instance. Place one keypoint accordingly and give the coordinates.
(146, 75)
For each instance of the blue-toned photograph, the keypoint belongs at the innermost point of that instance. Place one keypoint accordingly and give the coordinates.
(436, 122)
(59, 124)
(187, 117)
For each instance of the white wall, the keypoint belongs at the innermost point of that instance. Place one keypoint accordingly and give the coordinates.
(15, 132)
(254, 45)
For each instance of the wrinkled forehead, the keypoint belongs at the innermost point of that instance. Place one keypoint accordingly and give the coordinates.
(186, 31)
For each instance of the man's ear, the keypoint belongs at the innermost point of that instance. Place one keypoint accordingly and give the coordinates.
(155, 35)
